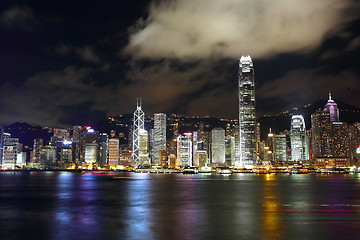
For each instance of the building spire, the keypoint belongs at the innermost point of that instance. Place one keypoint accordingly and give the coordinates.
(329, 95)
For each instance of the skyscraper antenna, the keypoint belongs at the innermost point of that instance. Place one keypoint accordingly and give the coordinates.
(329, 95)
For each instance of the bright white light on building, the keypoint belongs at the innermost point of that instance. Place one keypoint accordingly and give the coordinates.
(66, 142)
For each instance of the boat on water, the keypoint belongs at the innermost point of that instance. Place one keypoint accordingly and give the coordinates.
(190, 170)
(223, 170)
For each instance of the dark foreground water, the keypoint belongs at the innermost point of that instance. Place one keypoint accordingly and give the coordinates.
(61, 205)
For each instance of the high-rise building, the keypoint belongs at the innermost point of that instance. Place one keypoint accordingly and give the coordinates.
(103, 149)
(184, 150)
(1, 143)
(137, 127)
(280, 148)
(159, 135)
(77, 136)
(332, 109)
(38, 144)
(340, 140)
(321, 134)
(143, 147)
(48, 156)
(218, 146)
(271, 143)
(298, 139)
(247, 129)
(200, 158)
(113, 152)
(229, 150)
(91, 152)
(10, 151)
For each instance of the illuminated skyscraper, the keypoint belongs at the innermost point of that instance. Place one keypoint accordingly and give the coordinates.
(321, 134)
(38, 143)
(144, 147)
(138, 126)
(298, 138)
(247, 131)
(332, 109)
(184, 150)
(340, 140)
(10, 151)
(218, 146)
(280, 148)
(113, 152)
(159, 135)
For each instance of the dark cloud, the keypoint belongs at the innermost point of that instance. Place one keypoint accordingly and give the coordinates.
(17, 16)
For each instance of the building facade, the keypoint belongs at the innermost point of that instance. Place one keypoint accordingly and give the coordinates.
(298, 138)
(138, 125)
(247, 126)
(159, 135)
(218, 146)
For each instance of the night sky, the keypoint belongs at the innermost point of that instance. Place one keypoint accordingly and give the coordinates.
(75, 62)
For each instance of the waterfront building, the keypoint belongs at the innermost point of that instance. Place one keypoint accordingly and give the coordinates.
(321, 134)
(280, 148)
(271, 144)
(91, 152)
(1, 144)
(48, 156)
(77, 135)
(152, 149)
(229, 150)
(90, 145)
(332, 109)
(184, 150)
(340, 140)
(218, 146)
(163, 158)
(138, 126)
(173, 161)
(38, 144)
(299, 150)
(237, 146)
(66, 154)
(21, 159)
(247, 129)
(114, 152)
(143, 148)
(103, 149)
(159, 135)
(10, 151)
(200, 158)
(354, 131)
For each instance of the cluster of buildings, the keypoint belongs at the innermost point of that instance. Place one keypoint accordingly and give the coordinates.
(163, 143)
(328, 143)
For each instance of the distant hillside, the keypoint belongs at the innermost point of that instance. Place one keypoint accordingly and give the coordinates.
(280, 122)
(27, 133)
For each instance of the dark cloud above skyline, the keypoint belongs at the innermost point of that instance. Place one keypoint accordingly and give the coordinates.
(77, 65)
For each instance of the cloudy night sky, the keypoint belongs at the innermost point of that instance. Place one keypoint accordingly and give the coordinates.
(76, 62)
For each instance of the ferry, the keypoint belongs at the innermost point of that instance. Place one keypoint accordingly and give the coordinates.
(190, 170)
(224, 170)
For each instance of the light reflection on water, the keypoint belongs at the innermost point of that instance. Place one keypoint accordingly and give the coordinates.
(60, 205)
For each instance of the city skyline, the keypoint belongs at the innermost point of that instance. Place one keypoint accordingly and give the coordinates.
(173, 55)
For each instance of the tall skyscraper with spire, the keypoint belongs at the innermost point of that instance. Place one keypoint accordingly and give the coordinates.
(332, 109)
(138, 127)
(247, 139)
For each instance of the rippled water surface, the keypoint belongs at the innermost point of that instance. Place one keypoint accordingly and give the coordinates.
(62, 205)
